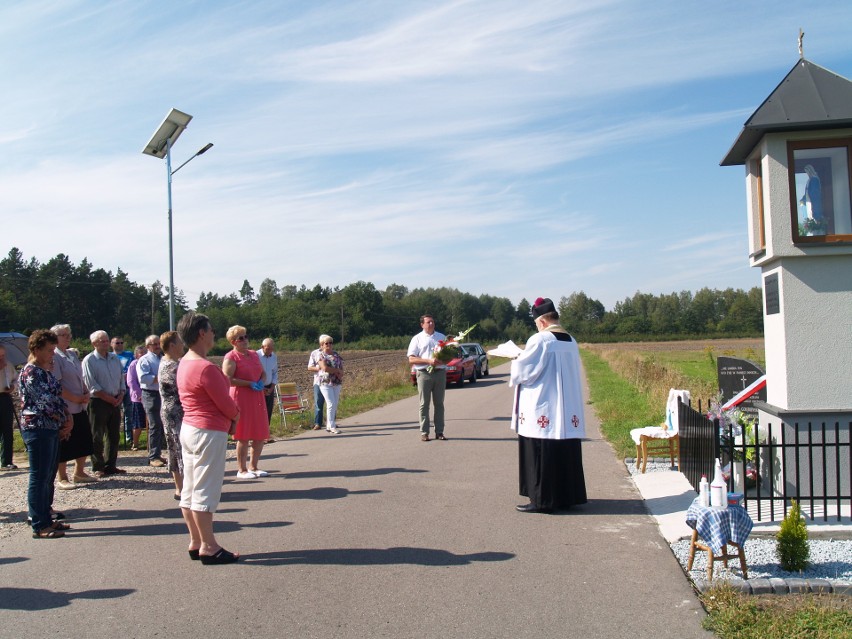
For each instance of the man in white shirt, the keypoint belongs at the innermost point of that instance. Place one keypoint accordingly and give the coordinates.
(431, 376)
(148, 369)
(269, 361)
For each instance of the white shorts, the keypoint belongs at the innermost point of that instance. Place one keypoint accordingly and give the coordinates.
(204, 453)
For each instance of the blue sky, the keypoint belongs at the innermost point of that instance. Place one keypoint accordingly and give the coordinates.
(518, 149)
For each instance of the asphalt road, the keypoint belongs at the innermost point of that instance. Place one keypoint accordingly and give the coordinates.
(370, 533)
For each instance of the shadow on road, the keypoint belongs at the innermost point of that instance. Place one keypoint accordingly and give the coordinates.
(176, 528)
(372, 557)
(351, 473)
(606, 507)
(12, 560)
(320, 493)
(42, 599)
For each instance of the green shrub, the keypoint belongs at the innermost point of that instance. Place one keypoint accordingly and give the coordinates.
(793, 550)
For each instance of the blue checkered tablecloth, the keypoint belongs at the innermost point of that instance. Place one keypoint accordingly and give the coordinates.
(718, 526)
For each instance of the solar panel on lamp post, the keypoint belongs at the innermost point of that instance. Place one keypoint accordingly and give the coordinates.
(160, 146)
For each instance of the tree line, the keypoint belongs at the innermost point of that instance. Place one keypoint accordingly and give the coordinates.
(36, 295)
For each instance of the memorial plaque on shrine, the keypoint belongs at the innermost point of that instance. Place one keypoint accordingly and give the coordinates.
(735, 375)
(770, 294)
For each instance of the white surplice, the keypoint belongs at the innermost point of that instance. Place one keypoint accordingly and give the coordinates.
(548, 397)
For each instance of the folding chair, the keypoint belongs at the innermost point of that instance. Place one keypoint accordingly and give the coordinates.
(656, 439)
(289, 400)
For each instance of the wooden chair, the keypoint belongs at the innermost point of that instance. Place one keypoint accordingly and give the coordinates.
(695, 544)
(289, 400)
(661, 439)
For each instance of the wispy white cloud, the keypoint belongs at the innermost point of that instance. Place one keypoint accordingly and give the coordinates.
(424, 143)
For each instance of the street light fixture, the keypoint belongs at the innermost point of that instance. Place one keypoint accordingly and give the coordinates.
(160, 146)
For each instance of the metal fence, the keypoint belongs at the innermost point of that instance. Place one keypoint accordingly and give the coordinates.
(808, 462)
(772, 465)
(698, 443)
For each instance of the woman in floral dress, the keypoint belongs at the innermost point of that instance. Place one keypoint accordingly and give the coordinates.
(45, 420)
(171, 410)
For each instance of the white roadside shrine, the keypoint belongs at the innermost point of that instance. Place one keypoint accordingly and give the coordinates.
(797, 152)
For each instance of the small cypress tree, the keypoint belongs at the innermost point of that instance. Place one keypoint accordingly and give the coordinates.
(793, 549)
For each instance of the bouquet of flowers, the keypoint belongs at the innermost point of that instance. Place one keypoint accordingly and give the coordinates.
(448, 349)
(737, 430)
(811, 226)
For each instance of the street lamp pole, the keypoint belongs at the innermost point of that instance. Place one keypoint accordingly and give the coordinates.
(160, 146)
(204, 149)
(171, 245)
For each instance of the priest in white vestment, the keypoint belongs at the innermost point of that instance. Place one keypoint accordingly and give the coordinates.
(548, 416)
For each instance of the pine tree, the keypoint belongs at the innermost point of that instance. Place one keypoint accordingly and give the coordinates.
(793, 549)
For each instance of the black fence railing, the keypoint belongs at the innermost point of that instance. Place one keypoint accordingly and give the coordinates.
(809, 462)
(772, 465)
(698, 442)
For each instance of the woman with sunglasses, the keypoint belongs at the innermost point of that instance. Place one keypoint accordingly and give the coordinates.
(244, 370)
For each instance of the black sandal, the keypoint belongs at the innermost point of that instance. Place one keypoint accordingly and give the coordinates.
(221, 557)
(195, 554)
(441, 437)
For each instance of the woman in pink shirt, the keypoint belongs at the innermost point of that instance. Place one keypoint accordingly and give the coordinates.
(209, 416)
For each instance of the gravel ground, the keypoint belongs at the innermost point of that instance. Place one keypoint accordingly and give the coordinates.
(829, 559)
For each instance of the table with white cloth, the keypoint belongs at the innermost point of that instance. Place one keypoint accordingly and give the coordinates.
(718, 527)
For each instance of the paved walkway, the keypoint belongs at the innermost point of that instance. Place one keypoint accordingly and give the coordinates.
(371, 533)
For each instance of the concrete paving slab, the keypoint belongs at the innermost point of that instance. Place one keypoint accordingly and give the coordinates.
(667, 496)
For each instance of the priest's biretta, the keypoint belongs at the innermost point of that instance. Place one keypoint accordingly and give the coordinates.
(542, 306)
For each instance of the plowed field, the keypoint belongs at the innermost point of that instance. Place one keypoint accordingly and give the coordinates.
(357, 366)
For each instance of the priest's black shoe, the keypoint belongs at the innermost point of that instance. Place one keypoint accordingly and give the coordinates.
(531, 508)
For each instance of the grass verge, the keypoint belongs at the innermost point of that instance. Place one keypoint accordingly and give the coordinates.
(359, 395)
(618, 404)
(736, 616)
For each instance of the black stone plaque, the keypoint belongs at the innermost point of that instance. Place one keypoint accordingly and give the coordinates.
(736, 374)
(770, 294)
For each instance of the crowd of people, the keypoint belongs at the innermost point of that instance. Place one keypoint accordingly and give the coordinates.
(73, 410)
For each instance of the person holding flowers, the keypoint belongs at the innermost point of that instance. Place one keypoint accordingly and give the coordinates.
(431, 375)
